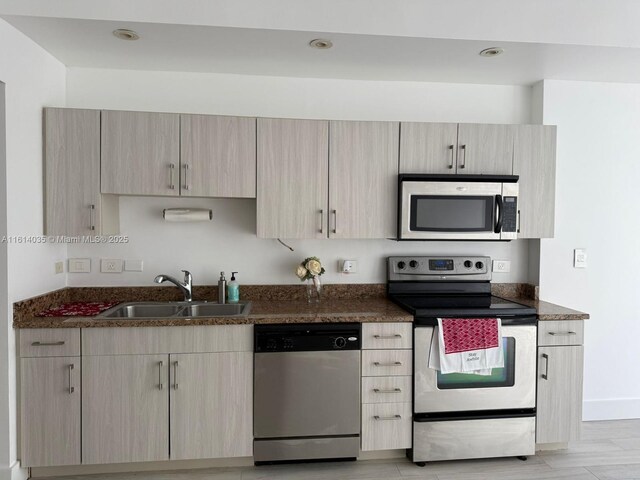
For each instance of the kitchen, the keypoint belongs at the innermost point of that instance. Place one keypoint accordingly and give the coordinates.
(231, 241)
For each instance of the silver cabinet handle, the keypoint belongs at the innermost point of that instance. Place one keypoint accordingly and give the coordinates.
(545, 375)
(562, 333)
(71, 387)
(451, 147)
(391, 417)
(172, 168)
(518, 229)
(175, 375)
(186, 176)
(335, 221)
(47, 344)
(92, 225)
(160, 365)
(386, 337)
(321, 221)
(387, 390)
(464, 156)
(388, 364)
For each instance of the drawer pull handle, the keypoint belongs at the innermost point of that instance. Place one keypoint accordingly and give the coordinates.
(391, 417)
(387, 364)
(47, 344)
(562, 333)
(387, 390)
(386, 337)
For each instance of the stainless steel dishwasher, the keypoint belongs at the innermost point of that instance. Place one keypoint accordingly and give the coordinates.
(306, 392)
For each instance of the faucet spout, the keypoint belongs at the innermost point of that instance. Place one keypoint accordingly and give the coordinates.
(185, 287)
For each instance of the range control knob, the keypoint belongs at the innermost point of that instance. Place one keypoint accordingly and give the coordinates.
(401, 265)
(340, 342)
(413, 264)
(468, 264)
(479, 265)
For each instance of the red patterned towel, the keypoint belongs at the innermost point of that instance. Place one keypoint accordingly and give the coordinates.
(77, 309)
(466, 334)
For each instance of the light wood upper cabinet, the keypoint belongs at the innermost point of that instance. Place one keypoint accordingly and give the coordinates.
(140, 153)
(211, 405)
(428, 147)
(363, 176)
(125, 408)
(485, 149)
(50, 411)
(292, 178)
(534, 161)
(72, 171)
(217, 156)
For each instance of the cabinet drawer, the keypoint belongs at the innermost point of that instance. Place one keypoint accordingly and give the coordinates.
(383, 363)
(386, 426)
(386, 389)
(561, 332)
(50, 342)
(386, 335)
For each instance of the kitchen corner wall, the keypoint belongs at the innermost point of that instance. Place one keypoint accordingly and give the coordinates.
(229, 241)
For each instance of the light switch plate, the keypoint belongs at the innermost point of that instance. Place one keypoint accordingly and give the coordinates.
(349, 266)
(580, 258)
(110, 265)
(79, 265)
(133, 265)
(59, 267)
(502, 266)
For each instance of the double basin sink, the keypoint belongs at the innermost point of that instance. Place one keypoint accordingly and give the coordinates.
(159, 310)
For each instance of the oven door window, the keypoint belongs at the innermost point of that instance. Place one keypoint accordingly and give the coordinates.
(500, 377)
(452, 213)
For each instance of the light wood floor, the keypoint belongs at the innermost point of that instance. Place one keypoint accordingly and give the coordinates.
(608, 450)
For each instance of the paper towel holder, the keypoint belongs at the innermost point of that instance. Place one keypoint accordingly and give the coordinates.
(187, 214)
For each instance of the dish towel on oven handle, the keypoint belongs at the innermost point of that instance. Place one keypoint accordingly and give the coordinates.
(467, 345)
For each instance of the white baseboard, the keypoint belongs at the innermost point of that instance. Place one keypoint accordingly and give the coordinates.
(611, 409)
(14, 472)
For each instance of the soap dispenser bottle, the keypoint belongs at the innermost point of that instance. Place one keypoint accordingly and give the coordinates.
(234, 289)
(222, 288)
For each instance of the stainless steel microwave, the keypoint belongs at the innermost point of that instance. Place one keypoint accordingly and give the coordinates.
(457, 207)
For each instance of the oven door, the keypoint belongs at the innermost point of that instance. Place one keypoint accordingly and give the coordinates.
(511, 387)
(451, 211)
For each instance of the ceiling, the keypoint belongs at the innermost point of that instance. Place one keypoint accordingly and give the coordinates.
(366, 49)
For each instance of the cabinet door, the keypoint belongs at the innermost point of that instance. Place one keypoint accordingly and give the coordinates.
(534, 160)
(72, 171)
(559, 410)
(363, 177)
(217, 156)
(211, 405)
(485, 149)
(428, 147)
(292, 178)
(50, 411)
(140, 153)
(125, 409)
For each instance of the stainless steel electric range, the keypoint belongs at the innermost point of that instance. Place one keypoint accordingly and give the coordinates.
(461, 415)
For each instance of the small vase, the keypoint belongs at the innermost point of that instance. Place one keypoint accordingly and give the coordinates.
(314, 290)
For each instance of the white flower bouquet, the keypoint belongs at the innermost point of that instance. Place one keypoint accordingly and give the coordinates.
(310, 270)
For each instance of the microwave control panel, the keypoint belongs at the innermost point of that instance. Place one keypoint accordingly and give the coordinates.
(510, 214)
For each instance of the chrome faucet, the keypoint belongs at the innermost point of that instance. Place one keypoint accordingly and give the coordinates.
(185, 286)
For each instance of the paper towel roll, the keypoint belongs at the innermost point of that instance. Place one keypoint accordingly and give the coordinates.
(187, 214)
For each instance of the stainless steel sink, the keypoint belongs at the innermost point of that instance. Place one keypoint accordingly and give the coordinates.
(155, 310)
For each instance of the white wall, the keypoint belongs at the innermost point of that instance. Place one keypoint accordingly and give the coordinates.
(229, 242)
(598, 173)
(33, 79)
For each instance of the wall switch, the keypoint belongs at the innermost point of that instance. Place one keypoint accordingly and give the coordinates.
(59, 267)
(133, 265)
(110, 265)
(580, 258)
(502, 266)
(79, 265)
(349, 266)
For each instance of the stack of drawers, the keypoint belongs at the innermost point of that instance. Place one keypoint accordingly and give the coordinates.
(386, 385)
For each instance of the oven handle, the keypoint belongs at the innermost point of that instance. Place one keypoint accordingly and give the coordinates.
(498, 228)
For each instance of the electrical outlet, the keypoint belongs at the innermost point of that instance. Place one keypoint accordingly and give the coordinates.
(79, 265)
(502, 266)
(133, 265)
(349, 266)
(580, 258)
(110, 265)
(59, 267)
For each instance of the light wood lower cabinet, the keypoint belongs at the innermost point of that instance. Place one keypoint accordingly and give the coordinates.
(125, 408)
(211, 405)
(386, 426)
(50, 411)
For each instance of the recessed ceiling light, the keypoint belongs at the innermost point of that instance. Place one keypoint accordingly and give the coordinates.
(492, 52)
(125, 34)
(321, 43)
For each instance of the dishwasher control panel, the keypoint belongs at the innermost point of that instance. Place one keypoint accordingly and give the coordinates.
(307, 337)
